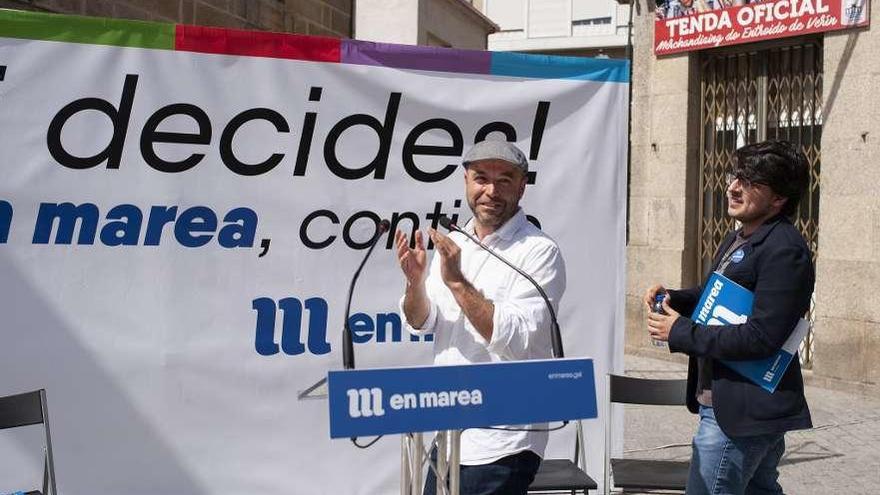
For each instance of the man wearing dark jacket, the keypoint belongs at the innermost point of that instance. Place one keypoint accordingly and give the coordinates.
(740, 439)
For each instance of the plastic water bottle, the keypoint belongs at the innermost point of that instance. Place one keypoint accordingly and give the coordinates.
(657, 307)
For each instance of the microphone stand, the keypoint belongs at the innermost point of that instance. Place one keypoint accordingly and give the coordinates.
(347, 340)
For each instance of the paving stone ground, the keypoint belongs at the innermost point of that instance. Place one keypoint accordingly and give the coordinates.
(839, 456)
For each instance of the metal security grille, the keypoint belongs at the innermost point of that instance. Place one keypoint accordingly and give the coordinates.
(746, 98)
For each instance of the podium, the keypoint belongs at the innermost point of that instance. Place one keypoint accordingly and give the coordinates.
(448, 399)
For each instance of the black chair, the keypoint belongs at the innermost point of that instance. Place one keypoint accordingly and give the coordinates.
(564, 475)
(644, 474)
(25, 410)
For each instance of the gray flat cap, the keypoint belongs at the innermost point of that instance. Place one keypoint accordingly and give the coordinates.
(497, 150)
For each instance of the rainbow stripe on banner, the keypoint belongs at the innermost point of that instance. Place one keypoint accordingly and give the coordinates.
(222, 41)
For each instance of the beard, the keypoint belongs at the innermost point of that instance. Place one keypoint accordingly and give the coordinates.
(492, 217)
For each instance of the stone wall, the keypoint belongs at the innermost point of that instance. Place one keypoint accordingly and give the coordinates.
(315, 17)
(663, 180)
(847, 329)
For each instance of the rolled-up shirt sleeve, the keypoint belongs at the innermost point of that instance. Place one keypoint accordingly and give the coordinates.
(427, 326)
(521, 321)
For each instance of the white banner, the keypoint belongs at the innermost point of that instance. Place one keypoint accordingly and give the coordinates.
(178, 231)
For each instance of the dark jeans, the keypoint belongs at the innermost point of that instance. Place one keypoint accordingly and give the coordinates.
(509, 475)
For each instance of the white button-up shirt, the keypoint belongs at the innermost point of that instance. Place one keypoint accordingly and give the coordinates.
(521, 322)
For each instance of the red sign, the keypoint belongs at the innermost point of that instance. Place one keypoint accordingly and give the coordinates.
(685, 25)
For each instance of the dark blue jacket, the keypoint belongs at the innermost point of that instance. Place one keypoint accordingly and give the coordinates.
(778, 269)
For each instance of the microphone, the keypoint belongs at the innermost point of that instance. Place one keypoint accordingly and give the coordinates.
(347, 342)
(555, 335)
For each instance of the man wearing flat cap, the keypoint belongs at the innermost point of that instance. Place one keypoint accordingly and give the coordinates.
(481, 311)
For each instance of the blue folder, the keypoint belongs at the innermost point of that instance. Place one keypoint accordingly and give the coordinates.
(724, 302)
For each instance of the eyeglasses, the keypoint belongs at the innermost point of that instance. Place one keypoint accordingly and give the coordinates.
(743, 182)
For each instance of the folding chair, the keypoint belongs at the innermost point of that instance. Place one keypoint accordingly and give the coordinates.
(564, 475)
(644, 474)
(25, 410)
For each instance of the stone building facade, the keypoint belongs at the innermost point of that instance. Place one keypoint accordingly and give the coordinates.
(313, 17)
(673, 101)
(450, 23)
